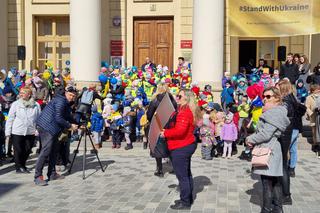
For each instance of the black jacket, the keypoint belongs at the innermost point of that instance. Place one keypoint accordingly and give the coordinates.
(315, 77)
(290, 71)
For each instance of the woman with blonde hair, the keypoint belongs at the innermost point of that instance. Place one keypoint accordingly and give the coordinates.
(272, 124)
(181, 144)
(21, 127)
(162, 89)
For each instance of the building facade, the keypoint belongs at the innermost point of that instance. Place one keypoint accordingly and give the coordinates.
(130, 30)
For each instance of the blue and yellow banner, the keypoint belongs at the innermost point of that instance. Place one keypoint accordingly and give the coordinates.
(269, 18)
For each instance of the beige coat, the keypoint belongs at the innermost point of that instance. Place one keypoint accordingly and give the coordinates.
(311, 105)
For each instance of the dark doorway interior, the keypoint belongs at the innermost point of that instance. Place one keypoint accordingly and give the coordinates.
(247, 51)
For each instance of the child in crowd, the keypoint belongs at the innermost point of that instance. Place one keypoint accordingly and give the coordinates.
(128, 123)
(275, 78)
(227, 95)
(243, 110)
(115, 120)
(140, 112)
(218, 123)
(106, 113)
(229, 134)
(97, 124)
(302, 92)
(207, 136)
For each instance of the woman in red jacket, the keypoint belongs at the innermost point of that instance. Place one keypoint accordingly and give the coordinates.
(181, 143)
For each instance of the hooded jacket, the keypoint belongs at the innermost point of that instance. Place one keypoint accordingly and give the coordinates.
(269, 128)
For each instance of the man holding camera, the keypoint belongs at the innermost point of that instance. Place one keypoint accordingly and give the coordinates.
(54, 118)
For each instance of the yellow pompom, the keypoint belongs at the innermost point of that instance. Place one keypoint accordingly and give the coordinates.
(46, 75)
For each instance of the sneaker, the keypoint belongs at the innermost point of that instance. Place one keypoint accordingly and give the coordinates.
(287, 200)
(129, 146)
(56, 176)
(114, 146)
(159, 173)
(292, 172)
(118, 146)
(40, 182)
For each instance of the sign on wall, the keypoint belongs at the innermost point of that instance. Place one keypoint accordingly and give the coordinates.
(186, 44)
(116, 47)
(273, 17)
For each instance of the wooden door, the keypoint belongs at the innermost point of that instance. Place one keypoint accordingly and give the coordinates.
(153, 38)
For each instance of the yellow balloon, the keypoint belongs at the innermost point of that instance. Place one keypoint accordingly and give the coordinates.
(46, 75)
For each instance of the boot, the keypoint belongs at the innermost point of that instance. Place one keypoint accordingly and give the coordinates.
(159, 173)
(292, 172)
(145, 145)
(129, 146)
(97, 146)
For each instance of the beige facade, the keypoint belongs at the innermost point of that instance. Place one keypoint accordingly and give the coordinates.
(19, 17)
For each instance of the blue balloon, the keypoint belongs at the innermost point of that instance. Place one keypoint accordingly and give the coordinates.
(103, 78)
(113, 81)
(134, 68)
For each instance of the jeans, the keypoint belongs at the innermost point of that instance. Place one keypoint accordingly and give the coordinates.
(22, 148)
(271, 189)
(49, 149)
(293, 148)
(96, 137)
(181, 162)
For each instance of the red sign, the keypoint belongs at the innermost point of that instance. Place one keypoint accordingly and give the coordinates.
(186, 44)
(116, 48)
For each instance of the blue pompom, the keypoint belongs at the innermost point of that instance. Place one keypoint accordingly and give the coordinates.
(103, 78)
(104, 64)
(113, 81)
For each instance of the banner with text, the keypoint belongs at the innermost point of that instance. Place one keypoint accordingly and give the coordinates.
(267, 18)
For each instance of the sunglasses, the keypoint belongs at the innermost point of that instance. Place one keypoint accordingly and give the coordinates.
(179, 97)
(267, 96)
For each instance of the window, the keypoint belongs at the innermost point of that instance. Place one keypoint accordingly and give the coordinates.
(52, 42)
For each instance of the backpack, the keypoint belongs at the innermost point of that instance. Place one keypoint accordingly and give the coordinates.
(87, 97)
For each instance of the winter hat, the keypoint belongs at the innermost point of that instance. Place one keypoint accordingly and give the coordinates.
(126, 110)
(211, 105)
(115, 107)
(7, 90)
(300, 81)
(37, 82)
(217, 107)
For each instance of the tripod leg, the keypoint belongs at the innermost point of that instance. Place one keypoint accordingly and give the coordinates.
(84, 157)
(96, 152)
(76, 151)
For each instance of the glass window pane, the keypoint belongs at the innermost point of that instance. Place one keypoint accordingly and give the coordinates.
(42, 65)
(63, 53)
(45, 50)
(267, 49)
(63, 27)
(45, 27)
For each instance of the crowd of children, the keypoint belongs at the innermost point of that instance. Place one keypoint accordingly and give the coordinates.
(125, 92)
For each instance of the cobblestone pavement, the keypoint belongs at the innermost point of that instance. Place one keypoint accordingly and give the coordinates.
(128, 185)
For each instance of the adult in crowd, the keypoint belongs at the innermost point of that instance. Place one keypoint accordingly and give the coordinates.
(271, 125)
(296, 59)
(314, 78)
(148, 64)
(313, 115)
(290, 102)
(182, 145)
(289, 70)
(304, 70)
(263, 65)
(162, 89)
(21, 127)
(55, 117)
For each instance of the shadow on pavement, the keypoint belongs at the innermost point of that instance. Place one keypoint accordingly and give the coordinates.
(256, 192)
(7, 187)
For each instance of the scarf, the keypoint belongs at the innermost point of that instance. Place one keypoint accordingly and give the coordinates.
(28, 103)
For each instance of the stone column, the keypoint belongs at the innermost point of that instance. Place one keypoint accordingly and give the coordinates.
(208, 42)
(85, 39)
(3, 34)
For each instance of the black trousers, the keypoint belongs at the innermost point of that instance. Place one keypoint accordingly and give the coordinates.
(285, 142)
(116, 137)
(22, 146)
(181, 162)
(49, 150)
(272, 197)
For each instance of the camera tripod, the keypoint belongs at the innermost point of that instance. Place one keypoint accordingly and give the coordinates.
(84, 133)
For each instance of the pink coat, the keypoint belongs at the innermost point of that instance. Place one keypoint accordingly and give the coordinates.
(229, 132)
